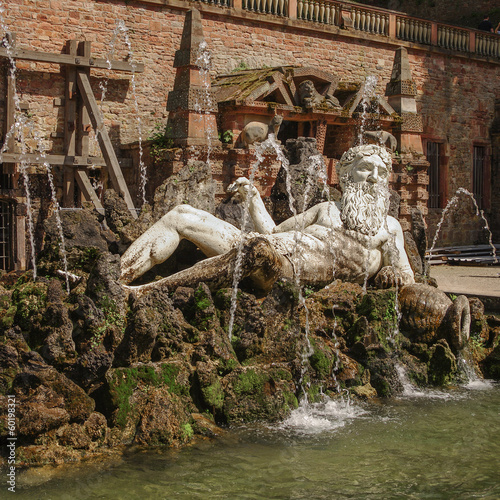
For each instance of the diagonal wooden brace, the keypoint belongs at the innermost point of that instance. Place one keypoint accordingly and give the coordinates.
(115, 172)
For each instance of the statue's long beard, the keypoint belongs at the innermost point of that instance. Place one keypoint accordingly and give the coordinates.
(364, 207)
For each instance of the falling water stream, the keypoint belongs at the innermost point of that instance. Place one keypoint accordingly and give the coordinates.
(18, 132)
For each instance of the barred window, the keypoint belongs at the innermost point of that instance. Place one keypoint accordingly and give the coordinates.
(434, 158)
(478, 173)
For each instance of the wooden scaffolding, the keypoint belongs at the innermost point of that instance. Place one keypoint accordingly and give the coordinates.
(81, 115)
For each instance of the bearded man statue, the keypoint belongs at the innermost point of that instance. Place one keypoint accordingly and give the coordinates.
(352, 240)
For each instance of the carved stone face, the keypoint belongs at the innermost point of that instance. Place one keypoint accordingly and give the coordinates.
(306, 90)
(367, 163)
(371, 169)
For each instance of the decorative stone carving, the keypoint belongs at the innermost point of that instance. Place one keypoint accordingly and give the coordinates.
(382, 137)
(310, 97)
(352, 240)
(428, 314)
(258, 131)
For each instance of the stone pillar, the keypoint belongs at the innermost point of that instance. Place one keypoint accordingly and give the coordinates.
(191, 104)
(410, 166)
(401, 92)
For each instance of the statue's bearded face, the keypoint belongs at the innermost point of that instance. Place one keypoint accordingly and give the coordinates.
(365, 198)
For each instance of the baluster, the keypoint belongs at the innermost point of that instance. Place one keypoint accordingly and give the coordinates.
(428, 34)
(316, 11)
(300, 8)
(327, 13)
(282, 7)
(377, 23)
(368, 22)
(306, 10)
(322, 13)
(257, 5)
(440, 36)
(411, 30)
(447, 38)
(363, 20)
(398, 27)
(263, 5)
(406, 28)
(382, 25)
(358, 20)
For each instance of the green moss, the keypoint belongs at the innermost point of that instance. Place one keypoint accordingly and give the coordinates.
(7, 319)
(321, 364)
(187, 432)
(291, 401)
(214, 395)
(250, 382)
(30, 300)
(125, 381)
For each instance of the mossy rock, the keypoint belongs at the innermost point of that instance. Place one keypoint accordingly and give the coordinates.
(442, 364)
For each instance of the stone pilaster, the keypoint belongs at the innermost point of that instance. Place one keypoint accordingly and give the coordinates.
(191, 104)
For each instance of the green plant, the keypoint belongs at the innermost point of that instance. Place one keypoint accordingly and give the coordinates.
(160, 139)
(226, 137)
(241, 67)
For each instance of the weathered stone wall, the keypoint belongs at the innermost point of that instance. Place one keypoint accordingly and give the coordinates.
(455, 94)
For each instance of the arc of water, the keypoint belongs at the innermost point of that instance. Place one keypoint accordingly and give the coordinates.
(451, 205)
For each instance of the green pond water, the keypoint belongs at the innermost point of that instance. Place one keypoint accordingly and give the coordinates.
(425, 445)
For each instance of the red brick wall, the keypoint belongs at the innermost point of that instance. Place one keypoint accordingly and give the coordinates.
(455, 94)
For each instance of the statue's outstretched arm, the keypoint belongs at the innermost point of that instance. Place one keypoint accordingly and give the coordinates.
(299, 222)
(262, 221)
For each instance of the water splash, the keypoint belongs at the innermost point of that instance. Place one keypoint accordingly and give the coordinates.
(327, 416)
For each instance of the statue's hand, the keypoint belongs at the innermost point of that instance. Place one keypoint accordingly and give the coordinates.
(388, 277)
(243, 188)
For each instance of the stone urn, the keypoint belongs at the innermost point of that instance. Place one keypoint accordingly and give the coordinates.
(428, 314)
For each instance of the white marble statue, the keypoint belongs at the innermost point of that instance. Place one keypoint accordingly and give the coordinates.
(353, 240)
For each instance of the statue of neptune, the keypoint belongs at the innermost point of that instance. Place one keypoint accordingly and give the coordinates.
(352, 240)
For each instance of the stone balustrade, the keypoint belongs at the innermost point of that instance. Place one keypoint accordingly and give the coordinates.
(370, 21)
(413, 30)
(274, 7)
(318, 11)
(392, 25)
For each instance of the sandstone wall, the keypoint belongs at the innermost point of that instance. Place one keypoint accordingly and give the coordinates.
(456, 94)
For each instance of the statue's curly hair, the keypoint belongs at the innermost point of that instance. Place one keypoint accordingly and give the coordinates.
(345, 164)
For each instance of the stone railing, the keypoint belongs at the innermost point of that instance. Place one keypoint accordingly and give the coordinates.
(275, 7)
(488, 45)
(413, 30)
(318, 11)
(453, 38)
(220, 3)
(392, 25)
(370, 20)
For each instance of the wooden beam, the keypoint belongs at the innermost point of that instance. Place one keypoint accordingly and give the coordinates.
(72, 60)
(88, 191)
(74, 161)
(70, 102)
(107, 150)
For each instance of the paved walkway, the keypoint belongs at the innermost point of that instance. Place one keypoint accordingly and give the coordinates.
(469, 280)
